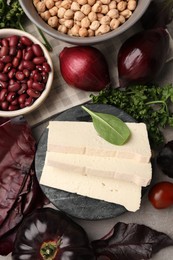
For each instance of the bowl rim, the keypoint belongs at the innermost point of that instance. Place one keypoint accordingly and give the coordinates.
(3, 113)
(82, 40)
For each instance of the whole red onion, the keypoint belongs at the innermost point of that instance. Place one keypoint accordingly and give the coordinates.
(142, 57)
(84, 67)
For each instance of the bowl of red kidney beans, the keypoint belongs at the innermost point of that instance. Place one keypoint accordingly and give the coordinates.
(26, 73)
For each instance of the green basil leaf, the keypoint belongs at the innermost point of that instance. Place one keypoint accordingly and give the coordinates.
(109, 127)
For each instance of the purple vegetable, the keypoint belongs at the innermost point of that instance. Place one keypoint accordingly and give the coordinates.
(158, 14)
(142, 57)
(19, 188)
(130, 241)
(165, 159)
(50, 234)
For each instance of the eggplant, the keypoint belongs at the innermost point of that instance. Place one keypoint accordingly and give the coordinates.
(142, 57)
(50, 234)
(165, 159)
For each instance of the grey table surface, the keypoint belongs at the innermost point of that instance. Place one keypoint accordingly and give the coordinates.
(161, 220)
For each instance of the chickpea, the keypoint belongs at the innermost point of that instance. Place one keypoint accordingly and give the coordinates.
(90, 32)
(113, 13)
(41, 7)
(75, 6)
(66, 4)
(45, 15)
(131, 5)
(53, 21)
(104, 9)
(97, 7)
(35, 2)
(85, 22)
(69, 23)
(58, 4)
(86, 9)
(104, 28)
(105, 2)
(82, 2)
(78, 16)
(115, 23)
(105, 20)
(68, 14)
(112, 5)
(121, 6)
(99, 16)
(92, 16)
(61, 12)
(49, 3)
(62, 28)
(75, 30)
(53, 11)
(121, 19)
(94, 25)
(83, 32)
(126, 13)
(91, 2)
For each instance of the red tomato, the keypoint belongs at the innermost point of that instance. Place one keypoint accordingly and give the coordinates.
(161, 195)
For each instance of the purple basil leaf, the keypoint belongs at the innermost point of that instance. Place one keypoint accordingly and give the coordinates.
(130, 241)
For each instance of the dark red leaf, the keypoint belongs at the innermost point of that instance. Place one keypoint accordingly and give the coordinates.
(130, 241)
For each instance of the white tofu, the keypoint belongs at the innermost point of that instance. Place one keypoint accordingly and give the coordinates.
(109, 167)
(120, 192)
(82, 138)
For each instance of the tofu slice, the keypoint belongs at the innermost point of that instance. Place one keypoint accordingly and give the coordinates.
(109, 167)
(82, 138)
(124, 193)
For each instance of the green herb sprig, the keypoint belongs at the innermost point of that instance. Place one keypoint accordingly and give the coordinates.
(148, 104)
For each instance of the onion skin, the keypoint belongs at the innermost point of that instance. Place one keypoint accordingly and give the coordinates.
(142, 57)
(84, 67)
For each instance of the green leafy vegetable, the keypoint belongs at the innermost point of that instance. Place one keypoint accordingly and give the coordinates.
(109, 127)
(11, 16)
(148, 104)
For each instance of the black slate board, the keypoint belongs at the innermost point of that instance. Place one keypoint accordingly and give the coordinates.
(73, 204)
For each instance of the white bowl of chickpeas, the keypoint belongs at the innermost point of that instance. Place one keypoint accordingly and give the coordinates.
(84, 22)
(26, 73)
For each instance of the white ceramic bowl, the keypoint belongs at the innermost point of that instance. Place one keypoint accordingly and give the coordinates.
(9, 32)
(33, 15)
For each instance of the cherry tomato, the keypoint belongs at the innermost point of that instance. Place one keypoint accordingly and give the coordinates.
(161, 195)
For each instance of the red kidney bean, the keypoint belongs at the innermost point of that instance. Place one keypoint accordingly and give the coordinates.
(13, 40)
(5, 42)
(4, 51)
(1, 66)
(12, 51)
(29, 101)
(26, 41)
(27, 64)
(7, 67)
(38, 86)
(3, 76)
(4, 105)
(39, 60)
(28, 55)
(29, 83)
(39, 67)
(15, 102)
(3, 84)
(12, 73)
(19, 54)
(33, 93)
(22, 98)
(46, 67)
(44, 76)
(37, 77)
(22, 89)
(16, 62)
(3, 94)
(21, 67)
(13, 107)
(26, 72)
(20, 75)
(22, 105)
(14, 87)
(7, 59)
(11, 96)
(37, 50)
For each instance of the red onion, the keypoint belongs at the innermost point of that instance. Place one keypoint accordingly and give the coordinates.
(142, 57)
(84, 67)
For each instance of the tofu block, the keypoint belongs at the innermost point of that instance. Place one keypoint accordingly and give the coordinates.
(124, 193)
(82, 138)
(109, 167)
